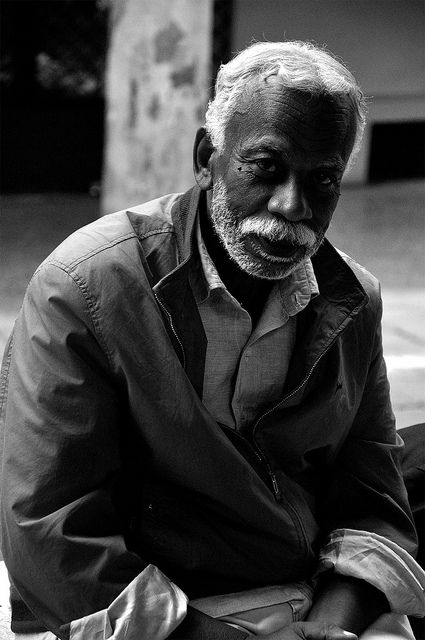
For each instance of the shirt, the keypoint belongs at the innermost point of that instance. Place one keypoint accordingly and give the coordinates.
(246, 366)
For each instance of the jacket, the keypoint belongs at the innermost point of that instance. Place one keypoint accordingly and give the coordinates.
(111, 461)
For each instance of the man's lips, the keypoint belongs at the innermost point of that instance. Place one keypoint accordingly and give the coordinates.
(280, 249)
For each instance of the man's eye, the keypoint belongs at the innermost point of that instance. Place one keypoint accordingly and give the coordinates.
(325, 179)
(266, 164)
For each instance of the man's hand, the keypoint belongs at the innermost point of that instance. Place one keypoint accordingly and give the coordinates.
(311, 631)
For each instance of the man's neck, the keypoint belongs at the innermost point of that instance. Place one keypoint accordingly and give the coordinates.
(249, 291)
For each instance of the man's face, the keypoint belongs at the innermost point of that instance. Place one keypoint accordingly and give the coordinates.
(276, 183)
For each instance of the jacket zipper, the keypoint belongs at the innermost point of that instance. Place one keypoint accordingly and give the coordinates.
(263, 458)
(255, 447)
(303, 382)
(170, 320)
(260, 453)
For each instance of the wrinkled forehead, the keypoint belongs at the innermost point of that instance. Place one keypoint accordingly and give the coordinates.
(317, 123)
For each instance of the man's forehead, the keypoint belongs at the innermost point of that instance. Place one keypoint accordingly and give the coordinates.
(273, 90)
(285, 117)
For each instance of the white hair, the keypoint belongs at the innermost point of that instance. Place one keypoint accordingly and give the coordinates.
(299, 65)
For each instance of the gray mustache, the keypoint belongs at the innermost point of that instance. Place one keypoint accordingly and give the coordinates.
(296, 233)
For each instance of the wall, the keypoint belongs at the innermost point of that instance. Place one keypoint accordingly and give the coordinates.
(381, 41)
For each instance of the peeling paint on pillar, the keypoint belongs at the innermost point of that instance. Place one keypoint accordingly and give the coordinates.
(166, 41)
(133, 103)
(156, 92)
(185, 75)
(154, 107)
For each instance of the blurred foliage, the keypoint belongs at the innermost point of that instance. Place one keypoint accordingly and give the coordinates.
(53, 45)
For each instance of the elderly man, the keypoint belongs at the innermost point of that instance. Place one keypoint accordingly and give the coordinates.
(198, 440)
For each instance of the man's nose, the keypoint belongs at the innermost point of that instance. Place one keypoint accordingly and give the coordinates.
(289, 201)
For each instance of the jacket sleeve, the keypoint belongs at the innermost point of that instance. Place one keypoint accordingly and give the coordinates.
(366, 511)
(62, 535)
(62, 539)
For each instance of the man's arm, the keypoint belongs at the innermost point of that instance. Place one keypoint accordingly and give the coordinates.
(63, 539)
(350, 603)
(367, 515)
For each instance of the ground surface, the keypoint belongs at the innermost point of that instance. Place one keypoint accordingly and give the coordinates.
(383, 227)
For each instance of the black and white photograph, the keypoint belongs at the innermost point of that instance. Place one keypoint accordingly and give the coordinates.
(212, 312)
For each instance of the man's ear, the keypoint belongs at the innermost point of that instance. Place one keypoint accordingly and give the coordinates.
(202, 151)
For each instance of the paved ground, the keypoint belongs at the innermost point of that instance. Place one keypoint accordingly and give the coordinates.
(381, 226)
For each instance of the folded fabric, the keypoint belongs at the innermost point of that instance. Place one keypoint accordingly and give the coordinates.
(379, 561)
(259, 611)
(150, 602)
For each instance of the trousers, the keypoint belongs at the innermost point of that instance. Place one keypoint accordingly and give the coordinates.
(390, 626)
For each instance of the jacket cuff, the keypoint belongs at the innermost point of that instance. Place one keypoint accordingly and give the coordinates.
(380, 562)
(150, 602)
(199, 626)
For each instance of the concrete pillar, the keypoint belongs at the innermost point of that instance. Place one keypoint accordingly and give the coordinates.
(157, 88)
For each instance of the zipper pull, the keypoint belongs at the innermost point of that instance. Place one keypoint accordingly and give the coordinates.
(275, 487)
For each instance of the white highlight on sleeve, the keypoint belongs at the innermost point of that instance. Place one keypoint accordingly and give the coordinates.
(151, 604)
(379, 561)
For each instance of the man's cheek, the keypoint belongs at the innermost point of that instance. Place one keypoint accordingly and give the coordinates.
(245, 201)
(321, 218)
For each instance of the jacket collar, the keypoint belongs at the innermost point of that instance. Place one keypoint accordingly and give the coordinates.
(183, 216)
(176, 294)
(340, 300)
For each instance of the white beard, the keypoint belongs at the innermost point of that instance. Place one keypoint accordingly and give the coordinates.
(234, 235)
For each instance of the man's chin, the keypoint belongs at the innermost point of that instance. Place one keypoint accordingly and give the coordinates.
(259, 267)
(274, 272)
(254, 257)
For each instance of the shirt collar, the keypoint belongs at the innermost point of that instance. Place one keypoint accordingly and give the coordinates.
(295, 290)
(298, 288)
(211, 278)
